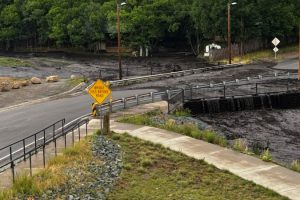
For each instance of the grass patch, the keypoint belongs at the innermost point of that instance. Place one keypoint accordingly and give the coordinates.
(50, 177)
(76, 81)
(181, 112)
(240, 145)
(14, 62)
(295, 165)
(265, 54)
(172, 175)
(266, 156)
(157, 119)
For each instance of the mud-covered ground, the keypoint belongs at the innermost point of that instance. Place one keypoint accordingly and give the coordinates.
(97, 66)
(278, 130)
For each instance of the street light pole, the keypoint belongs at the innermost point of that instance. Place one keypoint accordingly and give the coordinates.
(229, 32)
(119, 40)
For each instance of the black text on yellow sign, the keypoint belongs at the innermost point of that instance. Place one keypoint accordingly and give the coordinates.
(99, 91)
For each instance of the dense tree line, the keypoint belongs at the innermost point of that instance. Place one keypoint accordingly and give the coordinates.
(83, 23)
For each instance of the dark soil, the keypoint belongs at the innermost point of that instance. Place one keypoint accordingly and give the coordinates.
(277, 130)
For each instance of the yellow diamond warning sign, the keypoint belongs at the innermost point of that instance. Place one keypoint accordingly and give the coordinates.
(99, 91)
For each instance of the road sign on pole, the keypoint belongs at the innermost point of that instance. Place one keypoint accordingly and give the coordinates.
(276, 42)
(99, 91)
(275, 50)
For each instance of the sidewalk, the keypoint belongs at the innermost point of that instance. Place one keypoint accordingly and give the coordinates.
(269, 175)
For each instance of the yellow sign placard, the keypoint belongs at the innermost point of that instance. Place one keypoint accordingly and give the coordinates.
(99, 91)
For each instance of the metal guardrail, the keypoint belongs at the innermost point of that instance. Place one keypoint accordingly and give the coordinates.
(139, 79)
(25, 148)
(151, 97)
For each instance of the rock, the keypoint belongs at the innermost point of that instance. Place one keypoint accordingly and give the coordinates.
(52, 79)
(35, 80)
(24, 83)
(16, 85)
(73, 76)
(5, 86)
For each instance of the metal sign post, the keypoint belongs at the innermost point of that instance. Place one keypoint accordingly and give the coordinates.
(275, 42)
(100, 91)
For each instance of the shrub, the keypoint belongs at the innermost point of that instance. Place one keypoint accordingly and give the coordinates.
(25, 185)
(181, 112)
(146, 162)
(266, 156)
(196, 134)
(295, 165)
(240, 145)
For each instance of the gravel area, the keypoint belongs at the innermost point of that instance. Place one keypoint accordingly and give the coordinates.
(97, 178)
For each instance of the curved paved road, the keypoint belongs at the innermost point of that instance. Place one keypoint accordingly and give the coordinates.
(20, 122)
(291, 64)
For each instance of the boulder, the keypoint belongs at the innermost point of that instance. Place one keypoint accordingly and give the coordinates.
(5, 86)
(35, 80)
(24, 83)
(16, 85)
(74, 77)
(52, 79)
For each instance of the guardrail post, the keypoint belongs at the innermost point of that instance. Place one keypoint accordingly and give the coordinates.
(124, 102)
(30, 164)
(256, 88)
(152, 97)
(12, 165)
(44, 156)
(54, 139)
(224, 91)
(168, 98)
(73, 136)
(86, 129)
(35, 145)
(24, 149)
(137, 99)
(79, 132)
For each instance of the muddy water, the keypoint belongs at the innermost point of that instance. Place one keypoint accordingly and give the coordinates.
(278, 130)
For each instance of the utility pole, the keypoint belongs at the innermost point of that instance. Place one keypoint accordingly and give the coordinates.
(229, 32)
(299, 53)
(119, 39)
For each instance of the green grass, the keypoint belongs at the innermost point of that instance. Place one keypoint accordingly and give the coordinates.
(52, 176)
(14, 62)
(153, 172)
(188, 129)
(265, 54)
(295, 165)
(75, 82)
(240, 145)
(266, 156)
(182, 113)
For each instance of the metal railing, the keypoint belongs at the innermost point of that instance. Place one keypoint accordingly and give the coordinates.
(139, 79)
(189, 93)
(25, 148)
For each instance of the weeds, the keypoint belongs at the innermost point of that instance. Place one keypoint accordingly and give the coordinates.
(241, 145)
(52, 176)
(188, 129)
(295, 165)
(266, 156)
(181, 112)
